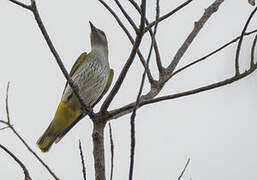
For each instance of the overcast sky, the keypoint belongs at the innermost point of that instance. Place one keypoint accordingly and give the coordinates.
(216, 129)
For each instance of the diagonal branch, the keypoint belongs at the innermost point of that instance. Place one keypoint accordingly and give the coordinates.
(156, 49)
(212, 53)
(126, 67)
(133, 116)
(34, 10)
(148, 27)
(26, 172)
(149, 75)
(240, 42)
(197, 27)
(82, 161)
(21, 139)
(184, 169)
(253, 50)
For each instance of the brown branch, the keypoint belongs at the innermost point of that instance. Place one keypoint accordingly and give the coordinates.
(212, 53)
(112, 150)
(149, 75)
(34, 10)
(25, 171)
(147, 28)
(197, 27)
(114, 114)
(82, 161)
(156, 49)
(132, 23)
(184, 169)
(21, 139)
(98, 150)
(6, 103)
(253, 50)
(240, 42)
(133, 116)
(126, 67)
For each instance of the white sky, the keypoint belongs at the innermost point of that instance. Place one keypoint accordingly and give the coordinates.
(216, 129)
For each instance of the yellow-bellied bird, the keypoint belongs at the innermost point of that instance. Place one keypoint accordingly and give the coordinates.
(93, 76)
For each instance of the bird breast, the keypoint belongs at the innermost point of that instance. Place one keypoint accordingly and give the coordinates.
(91, 79)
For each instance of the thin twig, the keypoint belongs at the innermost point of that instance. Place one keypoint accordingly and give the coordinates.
(22, 4)
(82, 161)
(34, 10)
(183, 171)
(212, 53)
(141, 57)
(125, 68)
(21, 139)
(6, 103)
(25, 170)
(132, 118)
(156, 49)
(197, 27)
(240, 42)
(129, 108)
(132, 23)
(147, 28)
(253, 50)
(112, 150)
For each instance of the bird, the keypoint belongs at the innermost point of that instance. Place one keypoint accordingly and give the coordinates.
(93, 76)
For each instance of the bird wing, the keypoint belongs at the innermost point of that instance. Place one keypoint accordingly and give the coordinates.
(107, 86)
(81, 59)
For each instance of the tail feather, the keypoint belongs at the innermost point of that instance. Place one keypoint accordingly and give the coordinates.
(64, 119)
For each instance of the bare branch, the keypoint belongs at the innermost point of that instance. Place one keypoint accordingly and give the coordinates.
(149, 75)
(253, 50)
(183, 171)
(132, 23)
(6, 103)
(82, 161)
(129, 108)
(22, 4)
(198, 26)
(33, 9)
(98, 150)
(112, 150)
(212, 53)
(240, 42)
(156, 49)
(26, 172)
(167, 15)
(21, 139)
(132, 118)
(126, 67)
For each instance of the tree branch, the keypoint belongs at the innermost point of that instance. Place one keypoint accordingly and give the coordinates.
(26, 172)
(149, 75)
(184, 170)
(126, 67)
(112, 150)
(240, 42)
(82, 161)
(197, 27)
(8, 123)
(167, 15)
(33, 9)
(212, 53)
(253, 50)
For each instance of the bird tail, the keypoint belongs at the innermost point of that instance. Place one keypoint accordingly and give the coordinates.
(63, 120)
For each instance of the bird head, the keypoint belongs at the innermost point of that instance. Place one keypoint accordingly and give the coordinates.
(98, 38)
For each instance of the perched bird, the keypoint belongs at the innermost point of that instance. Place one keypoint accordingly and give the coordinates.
(93, 76)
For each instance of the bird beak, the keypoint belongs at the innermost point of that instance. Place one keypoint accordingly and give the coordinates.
(93, 28)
